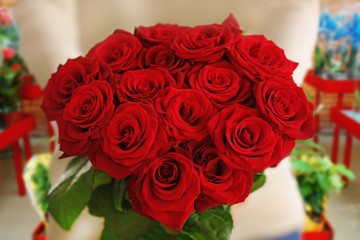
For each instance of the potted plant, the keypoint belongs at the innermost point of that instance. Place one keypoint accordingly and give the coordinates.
(316, 176)
(11, 67)
(11, 70)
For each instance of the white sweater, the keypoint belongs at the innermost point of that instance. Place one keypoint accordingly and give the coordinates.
(54, 30)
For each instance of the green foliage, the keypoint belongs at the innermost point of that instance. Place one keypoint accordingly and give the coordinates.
(159, 233)
(70, 196)
(357, 99)
(119, 193)
(315, 173)
(124, 225)
(10, 83)
(304, 144)
(309, 96)
(9, 98)
(122, 222)
(259, 180)
(9, 77)
(9, 36)
(212, 224)
(42, 182)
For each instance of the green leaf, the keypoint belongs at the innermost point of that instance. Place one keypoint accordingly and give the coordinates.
(258, 181)
(345, 172)
(305, 190)
(9, 74)
(71, 194)
(357, 96)
(119, 194)
(324, 181)
(160, 233)
(101, 178)
(212, 224)
(336, 183)
(125, 225)
(312, 144)
(309, 96)
(75, 162)
(323, 163)
(1, 56)
(10, 90)
(304, 151)
(301, 166)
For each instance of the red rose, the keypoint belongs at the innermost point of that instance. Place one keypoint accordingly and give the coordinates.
(8, 53)
(89, 110)
(221, 84)
(135, 133)
(285, 106)
(6, 16)
(244, 140)
(165, 190)
(158, 34)
(120, 51)
(143, 85)
(162, 56)
(75, 73)
(203, 43)
(16, 67)
(220, 183)
(234, 25)
(261, 58)
(187, 111)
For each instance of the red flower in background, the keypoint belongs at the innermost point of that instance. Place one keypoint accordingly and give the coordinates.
(6, 17)
(16, 67)
(8, 53)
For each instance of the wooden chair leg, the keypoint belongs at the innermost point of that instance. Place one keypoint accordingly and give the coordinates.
(18, 168)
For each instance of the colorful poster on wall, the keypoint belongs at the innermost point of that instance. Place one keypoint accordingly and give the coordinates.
(337, 49)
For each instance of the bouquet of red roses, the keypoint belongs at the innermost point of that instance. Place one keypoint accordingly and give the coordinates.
(173, 124)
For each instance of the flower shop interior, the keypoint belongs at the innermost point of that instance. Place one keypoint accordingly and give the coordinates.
(323, 36)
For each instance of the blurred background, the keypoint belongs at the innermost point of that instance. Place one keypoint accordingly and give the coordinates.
(323, 36)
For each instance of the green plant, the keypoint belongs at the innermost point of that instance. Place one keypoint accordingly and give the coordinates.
(357, 100)
(316, 175)
(11, 70)
(10, 83)
(41, 180)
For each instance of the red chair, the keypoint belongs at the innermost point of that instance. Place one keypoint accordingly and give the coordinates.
(20, 130)
(10, 137)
